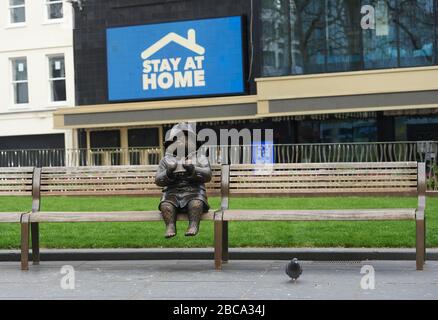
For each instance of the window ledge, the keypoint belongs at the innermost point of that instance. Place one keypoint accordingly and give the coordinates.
(19, 108)
(53, 21)
(28, 109)
(16, 25)
(57, 104)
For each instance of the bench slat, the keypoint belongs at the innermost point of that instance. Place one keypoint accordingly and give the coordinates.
(319, 215)
(100, 186)
(86, 176)
(15, 182)
(10, 217)
(100, 174)
(147, 169)
(104, 180)
(15, 193)
(285, 192)
(328, 184)
(263, 178)
(103, 193)
(12, 176)
(16, 170)
(16, 188)
(100, 169)
(267, 172)
(125, 216)
(111, 193)
(329, 165)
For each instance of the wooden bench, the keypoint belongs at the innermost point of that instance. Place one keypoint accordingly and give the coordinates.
(96, 181)
(329, 179)
(17, 182)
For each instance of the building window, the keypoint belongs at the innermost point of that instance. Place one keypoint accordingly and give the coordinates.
(334, 130)
(416, 128)
(57, 78)
(380, 46)
(417, 21)
(105, 145)
(54, 9)
(313, 36)
(17, 10)
(19, 81)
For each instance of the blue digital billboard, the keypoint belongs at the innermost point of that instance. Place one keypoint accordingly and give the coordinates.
(176, 59)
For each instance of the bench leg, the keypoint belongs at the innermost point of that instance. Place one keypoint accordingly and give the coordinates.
(35, 232)
(24, 245)
(424, 240)
(218, 249)
(225, 254)
(420, 247)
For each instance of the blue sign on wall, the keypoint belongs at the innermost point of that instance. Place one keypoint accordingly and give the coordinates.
(177, 59)
(263, 152)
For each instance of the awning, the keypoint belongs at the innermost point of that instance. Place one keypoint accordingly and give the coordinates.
(345, 92)
(159, 112)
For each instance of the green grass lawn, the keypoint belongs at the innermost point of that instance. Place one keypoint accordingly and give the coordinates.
(242, 234)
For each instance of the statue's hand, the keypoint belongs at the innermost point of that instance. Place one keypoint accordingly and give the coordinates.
(170, 166)
(190, 168)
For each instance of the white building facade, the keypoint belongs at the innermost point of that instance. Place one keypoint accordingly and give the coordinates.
(37, 72)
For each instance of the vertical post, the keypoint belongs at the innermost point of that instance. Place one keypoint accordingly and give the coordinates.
(106, 158)
(141, 157)
(225, 254)
(25, 242)
(124, 144)
(145, 154)
(420, 216)
(89, 156)
(161, 141)
(420, 249)
(71, 146)
(218, 244)
(425, 231)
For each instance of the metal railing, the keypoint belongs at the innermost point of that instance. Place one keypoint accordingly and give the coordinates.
(79, 157)
(332, 152)
(425, 151)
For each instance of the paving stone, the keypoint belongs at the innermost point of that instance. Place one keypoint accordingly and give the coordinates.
(196, 279)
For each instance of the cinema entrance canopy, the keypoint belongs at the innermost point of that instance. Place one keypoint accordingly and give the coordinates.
(347, 92)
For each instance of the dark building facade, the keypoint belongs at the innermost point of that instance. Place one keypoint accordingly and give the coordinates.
(314, 71)
(98, 15)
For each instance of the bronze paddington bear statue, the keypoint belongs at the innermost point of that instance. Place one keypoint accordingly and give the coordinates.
(182, 173)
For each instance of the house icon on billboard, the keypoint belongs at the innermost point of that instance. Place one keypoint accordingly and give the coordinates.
(188, 43)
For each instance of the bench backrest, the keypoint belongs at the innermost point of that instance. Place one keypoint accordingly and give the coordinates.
(107, 181)
(323, 179)
(16, 181)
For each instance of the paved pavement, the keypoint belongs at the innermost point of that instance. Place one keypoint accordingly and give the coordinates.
(184, 279)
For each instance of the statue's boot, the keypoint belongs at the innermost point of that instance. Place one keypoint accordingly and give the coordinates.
(168, 213)
(194, 212)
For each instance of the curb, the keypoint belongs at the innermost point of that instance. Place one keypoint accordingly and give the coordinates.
(309, 254)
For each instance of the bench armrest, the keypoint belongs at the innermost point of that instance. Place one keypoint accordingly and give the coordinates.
(36, 190)
(421, 185)
(225, 186)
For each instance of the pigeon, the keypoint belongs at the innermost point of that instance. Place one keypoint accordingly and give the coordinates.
(293, 269)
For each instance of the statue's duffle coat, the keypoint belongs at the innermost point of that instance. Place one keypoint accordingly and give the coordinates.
(180, 191)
